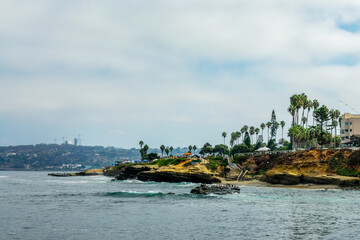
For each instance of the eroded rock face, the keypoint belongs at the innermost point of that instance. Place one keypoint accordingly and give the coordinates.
(171, 176)
(204, 189)
(130, 172)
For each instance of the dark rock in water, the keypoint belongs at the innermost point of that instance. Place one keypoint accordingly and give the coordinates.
(170, 176)
(61, 174)
(215, 189)
(130, 172)
(170, 193)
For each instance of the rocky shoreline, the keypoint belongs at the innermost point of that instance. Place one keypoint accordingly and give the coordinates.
(298, 169)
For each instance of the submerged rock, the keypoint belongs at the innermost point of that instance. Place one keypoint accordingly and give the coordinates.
(215, 189)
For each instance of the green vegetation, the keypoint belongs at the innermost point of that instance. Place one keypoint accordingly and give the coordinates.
(337, 163)
(240, 159)
(170, 161)
(324, 121)
(215, 162)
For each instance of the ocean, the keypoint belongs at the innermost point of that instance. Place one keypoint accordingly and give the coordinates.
(36, 206)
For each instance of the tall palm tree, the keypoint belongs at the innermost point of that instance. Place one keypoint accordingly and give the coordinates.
(243, 130)
(268, 124)
(257, 130)
(252, 132)
(276, 126)
(162, 148)
(167, 151)
(171, 150)
(303, 120)
(141, 143)
(292, 111)
(282, 124)
(238, 136)
(194, 148)
(315, 104)
(224, 136)
(232, 139)
(309, 107)
(190, 148)
(262, 126)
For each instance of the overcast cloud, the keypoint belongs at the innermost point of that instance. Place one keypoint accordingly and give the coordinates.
(168, 72)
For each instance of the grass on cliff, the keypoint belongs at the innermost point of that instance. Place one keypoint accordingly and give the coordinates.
(215, 162)
(170, 161)
(338, 163)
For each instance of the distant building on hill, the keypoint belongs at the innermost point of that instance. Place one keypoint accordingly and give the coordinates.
(350, 130)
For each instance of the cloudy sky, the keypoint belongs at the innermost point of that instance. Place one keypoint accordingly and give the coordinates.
(169, 72)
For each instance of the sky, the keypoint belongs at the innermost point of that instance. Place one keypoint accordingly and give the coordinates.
(172, 72)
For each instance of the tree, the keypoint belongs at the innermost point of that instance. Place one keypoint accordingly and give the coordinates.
(322, 116)
(167, 151)
(162, 148)
(232, 139)
(194, 148)
(237, 136)
(247, 140)
(143, 151)
(206, 149)
(252, 132)
(274, 124)
(292, 111)
(243, 148)
(190, 148)
(141, 143)
(309, 107)
(171, 150)
(224, 136)
(221, 149)
(268, 124)
(243, 130)
(315, 104)
(282, 124)
(262, 126)
(257, 130)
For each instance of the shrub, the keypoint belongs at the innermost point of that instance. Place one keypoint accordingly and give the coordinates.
(354, 159)
(347, 172)
(240, 159)
(170, 161)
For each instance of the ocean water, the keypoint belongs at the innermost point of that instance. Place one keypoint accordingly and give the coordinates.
(36, 206)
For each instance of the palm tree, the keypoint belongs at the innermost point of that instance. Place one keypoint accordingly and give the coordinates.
(309, 107)
(162, 148)
(282, 124)
(194, 148)
(315, 104)
(257, 130)
(252, 132)
(292, 111)
(276, 126)
(141, 143)
(303, 120)
(238, 136)
(243, 130)
(224, 136)
(144, 150)
(190, 148)
(262, 126)
(171, 149)
(232, 139)
(268, 124)
(167, 151)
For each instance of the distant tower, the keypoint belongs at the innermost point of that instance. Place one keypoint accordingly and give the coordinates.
(75, 141)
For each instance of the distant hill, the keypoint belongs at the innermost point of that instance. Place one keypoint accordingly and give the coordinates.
(65, 156)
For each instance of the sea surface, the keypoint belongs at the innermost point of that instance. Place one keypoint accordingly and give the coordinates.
(34, 205)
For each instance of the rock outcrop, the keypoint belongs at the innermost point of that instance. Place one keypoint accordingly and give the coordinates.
(317, 166)
(173, 176)
(204, 189)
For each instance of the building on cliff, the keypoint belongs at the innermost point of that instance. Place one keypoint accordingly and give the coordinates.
(350, 130)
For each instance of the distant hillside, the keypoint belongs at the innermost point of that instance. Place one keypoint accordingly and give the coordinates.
(53, 156)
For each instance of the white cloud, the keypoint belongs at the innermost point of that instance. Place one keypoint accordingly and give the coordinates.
(95, 67)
